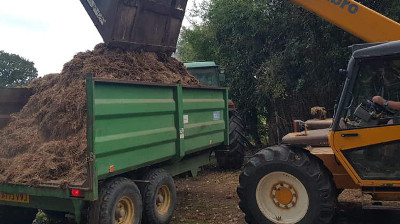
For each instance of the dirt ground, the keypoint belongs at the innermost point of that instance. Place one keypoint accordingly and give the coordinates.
(208, 198)
(211, 198)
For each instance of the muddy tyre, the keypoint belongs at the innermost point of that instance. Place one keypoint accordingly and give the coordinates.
(286, 185)
(17, 215)
(159, 197)
(233, 158)
(119, 202)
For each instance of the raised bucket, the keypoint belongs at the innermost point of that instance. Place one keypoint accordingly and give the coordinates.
(151, 25)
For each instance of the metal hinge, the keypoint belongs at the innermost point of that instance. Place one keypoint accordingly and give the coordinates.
(91, 157)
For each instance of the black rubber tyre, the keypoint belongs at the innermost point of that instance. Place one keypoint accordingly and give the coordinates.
(17, 215)
(234, 158)
(112, 193)
(309, 172)
(159, 197)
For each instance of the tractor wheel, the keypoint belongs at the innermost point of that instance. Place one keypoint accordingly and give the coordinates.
(234, 158)
(119, 203)
(17, 215)
(282, 184)
(159, 197)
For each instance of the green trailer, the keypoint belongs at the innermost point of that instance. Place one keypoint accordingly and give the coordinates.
(210, 74)
(138, 137)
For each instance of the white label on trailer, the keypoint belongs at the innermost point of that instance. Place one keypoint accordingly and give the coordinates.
(186, 119)
(217, 116)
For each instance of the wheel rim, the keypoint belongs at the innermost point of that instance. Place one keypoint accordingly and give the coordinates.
(282, 198)
(163, 199)
(125, 211)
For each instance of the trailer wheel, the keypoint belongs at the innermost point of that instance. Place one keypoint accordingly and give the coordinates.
(234, 158)
(282, 184)
(159, 197)
(119, 202)
(17, 215)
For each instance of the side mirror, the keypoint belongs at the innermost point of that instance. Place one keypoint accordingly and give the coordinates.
(334, 110)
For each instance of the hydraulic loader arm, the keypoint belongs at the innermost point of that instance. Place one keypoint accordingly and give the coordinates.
(355, 18)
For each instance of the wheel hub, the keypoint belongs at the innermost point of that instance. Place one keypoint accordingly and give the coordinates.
(284, 195)
(124, 211)
(277, 195)
(163, 199)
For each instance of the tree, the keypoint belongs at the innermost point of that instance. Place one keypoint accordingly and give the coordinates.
(294, 55)
(15, 70)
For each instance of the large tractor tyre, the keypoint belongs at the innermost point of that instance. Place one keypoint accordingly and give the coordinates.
(17, 215)
(119, 202)
(284, 185)
(233, 158)
(159, 197)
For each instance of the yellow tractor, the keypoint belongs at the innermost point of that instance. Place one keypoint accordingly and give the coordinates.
(299, 180)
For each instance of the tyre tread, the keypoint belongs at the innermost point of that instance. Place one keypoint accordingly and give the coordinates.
(297, 157)
(155, 176)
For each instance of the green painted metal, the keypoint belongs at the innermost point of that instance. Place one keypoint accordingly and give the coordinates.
(190, 164)
(204, 118)
(132, 126)
(138, 125)
(200, 64)
(92, 168)
(49, 203)
(179, 123)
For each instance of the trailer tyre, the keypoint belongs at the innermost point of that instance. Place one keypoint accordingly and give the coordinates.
(282, 184)
(159, 197)
(17, 215)
(119, 202)
(233, 159)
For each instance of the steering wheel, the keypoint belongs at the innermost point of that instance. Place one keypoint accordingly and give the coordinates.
(379, 108)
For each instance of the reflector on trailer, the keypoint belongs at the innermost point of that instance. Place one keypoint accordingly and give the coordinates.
(77, 193)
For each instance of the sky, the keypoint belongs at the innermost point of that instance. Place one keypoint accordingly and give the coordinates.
(48, 32)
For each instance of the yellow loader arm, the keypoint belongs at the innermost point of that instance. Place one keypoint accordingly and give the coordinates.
(355, 18)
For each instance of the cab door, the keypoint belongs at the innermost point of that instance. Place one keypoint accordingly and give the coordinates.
(367, 137)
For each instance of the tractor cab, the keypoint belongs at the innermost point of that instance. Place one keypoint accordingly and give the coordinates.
(207, 72)
(299, 180)
(365, 135)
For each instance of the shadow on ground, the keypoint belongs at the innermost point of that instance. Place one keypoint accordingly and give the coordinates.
(352, 213)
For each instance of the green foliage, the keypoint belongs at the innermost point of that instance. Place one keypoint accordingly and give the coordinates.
(280, 59)
(15, 70)
(195, 45)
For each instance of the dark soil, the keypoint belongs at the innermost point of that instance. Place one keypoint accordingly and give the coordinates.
(46, 141)
(209, 198)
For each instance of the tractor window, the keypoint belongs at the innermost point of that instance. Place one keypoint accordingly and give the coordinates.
(376, 162)
(377, 77)
(208, 76)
